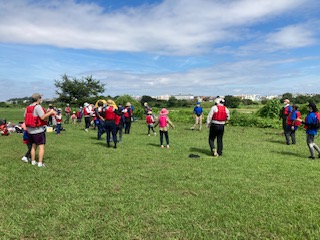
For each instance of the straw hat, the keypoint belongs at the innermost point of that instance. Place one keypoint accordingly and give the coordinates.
(164, 111)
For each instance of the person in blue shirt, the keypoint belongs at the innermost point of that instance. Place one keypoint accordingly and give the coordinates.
(198, 116)
(310, 122)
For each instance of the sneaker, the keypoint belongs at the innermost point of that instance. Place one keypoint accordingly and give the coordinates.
(86, 130)
(214, 153)
(149, 135)
(155, 133)
(25, 159)
(41, 165)
(168, 146)
(162, 146)
(34, 163)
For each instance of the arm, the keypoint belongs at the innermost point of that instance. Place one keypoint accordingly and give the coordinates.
(209, 118)
(168, 121)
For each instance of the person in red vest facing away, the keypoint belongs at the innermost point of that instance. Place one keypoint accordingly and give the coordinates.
(217, 117)
(67, 111)
(292, 125)
(109, 118)
(35, 118)
(286, 110)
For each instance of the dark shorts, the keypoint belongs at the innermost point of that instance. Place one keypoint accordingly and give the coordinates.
(38, 139)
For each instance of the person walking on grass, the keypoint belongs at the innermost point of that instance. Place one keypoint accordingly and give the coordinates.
(58, 118)
(311, 123)
(217, 117)
(87, 116)
(292, 125)
(163, 121)
(150, 121)
(286, 110)
(35, 118)
(198, 116)
(128, 116)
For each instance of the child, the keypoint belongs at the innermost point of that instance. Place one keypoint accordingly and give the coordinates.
(163, 122)
(26, 158)
(74, 117)
(292, 125)
(58, 117)
(150, 121)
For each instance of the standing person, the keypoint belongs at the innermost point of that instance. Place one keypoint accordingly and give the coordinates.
(292, 125)
(109, 119)
(311, 123)
(198, 116)
(286, 110)
(163, 121)
(99, 122)
(67, 111)
(217, 117)
(35, 119)
(120, 122)
(150, 121)
(146, 108)
(74, 117)
(50, 117)
(87, 116)
(25, 137)
(79, 115)
(58, 117)
(128, 117)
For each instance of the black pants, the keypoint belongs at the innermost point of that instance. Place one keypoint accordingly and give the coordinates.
(110, 127)
(150, 128)
(216, 131)
(28, 153)
(165, 133)
(128, 125)
(87, 122)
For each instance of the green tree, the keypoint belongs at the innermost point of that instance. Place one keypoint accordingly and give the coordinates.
(172, 102)
(232, 102)
(73, 90)
(271, 109)
(147, 99)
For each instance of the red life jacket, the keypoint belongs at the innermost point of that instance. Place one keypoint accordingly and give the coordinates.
(286, 110)
(149, 119)
(110, 115)
(127, 114)
(221, 115)
(58, 119)
(118, 119)
(33, 121)
(293, 123)
(86, 112)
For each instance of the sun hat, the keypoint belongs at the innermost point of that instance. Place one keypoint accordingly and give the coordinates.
(128, 104)
(164, 111)
(286, 100)
(86, 104)
(149, 112)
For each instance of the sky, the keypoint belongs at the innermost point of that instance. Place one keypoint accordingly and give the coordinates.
(159, 47)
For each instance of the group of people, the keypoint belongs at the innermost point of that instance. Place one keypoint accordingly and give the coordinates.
(291, 120)
(112, 119)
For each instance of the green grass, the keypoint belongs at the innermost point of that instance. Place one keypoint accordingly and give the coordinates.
(260, 189)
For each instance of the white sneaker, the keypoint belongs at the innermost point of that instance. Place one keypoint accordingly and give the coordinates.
(34, 163)
(154, 133)
(24, 159)
(41, 165)
(149, 135)
(86, 130)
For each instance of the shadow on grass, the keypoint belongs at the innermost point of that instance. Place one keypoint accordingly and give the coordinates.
(201, 150)
(154, 144)
(290, 153)
(277, 141)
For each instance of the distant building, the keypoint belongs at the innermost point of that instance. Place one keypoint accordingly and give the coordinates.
(181, 96)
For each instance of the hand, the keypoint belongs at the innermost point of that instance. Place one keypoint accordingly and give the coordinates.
(292, 127)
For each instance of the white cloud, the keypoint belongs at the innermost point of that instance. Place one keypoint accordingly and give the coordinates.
(171, 27)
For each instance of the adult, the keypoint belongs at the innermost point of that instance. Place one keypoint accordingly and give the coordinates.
(87, 115)
(35, 119)
(50, 117)
(292, 125)
(285, 111)
(217, 117)
(146, 108)
(99, 122)
(67, 111)
(109, 119)
(128, 117)
(311, 121)
(198, 116)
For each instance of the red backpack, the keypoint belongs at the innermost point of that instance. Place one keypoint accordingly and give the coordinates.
(34, 121)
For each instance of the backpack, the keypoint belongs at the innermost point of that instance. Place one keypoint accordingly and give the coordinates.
(316, 124)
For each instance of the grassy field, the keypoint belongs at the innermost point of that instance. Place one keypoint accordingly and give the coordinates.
(260, 189)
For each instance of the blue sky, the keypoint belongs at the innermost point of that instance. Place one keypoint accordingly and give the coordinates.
(145, 47)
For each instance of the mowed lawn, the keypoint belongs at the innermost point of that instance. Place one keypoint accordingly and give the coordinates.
(259, 189)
